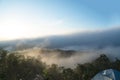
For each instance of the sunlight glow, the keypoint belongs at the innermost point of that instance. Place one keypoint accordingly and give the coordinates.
(16, 26)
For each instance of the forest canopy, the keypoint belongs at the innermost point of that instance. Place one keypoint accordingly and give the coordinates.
(18, 67)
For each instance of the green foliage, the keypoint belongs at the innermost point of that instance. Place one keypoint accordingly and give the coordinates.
(3, 65)
(14, 67)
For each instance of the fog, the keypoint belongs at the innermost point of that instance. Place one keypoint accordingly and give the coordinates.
(85, 46)
(95, 39)
(64, 58)
(70, 58)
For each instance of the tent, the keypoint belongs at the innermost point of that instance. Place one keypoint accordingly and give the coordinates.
(109, 74)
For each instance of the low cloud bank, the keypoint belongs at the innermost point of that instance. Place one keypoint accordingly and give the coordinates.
(94, 39)
(87, 46)
(70, 58)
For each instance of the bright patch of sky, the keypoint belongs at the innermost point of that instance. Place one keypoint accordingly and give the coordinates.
(39, 18)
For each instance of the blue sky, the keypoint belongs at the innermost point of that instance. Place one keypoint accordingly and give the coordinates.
(39, 18)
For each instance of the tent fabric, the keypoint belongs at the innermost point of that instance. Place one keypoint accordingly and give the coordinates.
(109, 74)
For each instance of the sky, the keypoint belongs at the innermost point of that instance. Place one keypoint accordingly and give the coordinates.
(40, 18)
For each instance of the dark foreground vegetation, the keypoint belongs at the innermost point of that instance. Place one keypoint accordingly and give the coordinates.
(14, 67)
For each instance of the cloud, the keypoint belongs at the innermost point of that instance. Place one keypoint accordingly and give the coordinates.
(59, 57)
(84, 40)
(69, 58)
(86, 47)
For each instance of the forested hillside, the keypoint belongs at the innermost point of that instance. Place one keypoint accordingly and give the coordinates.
(17, 67)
